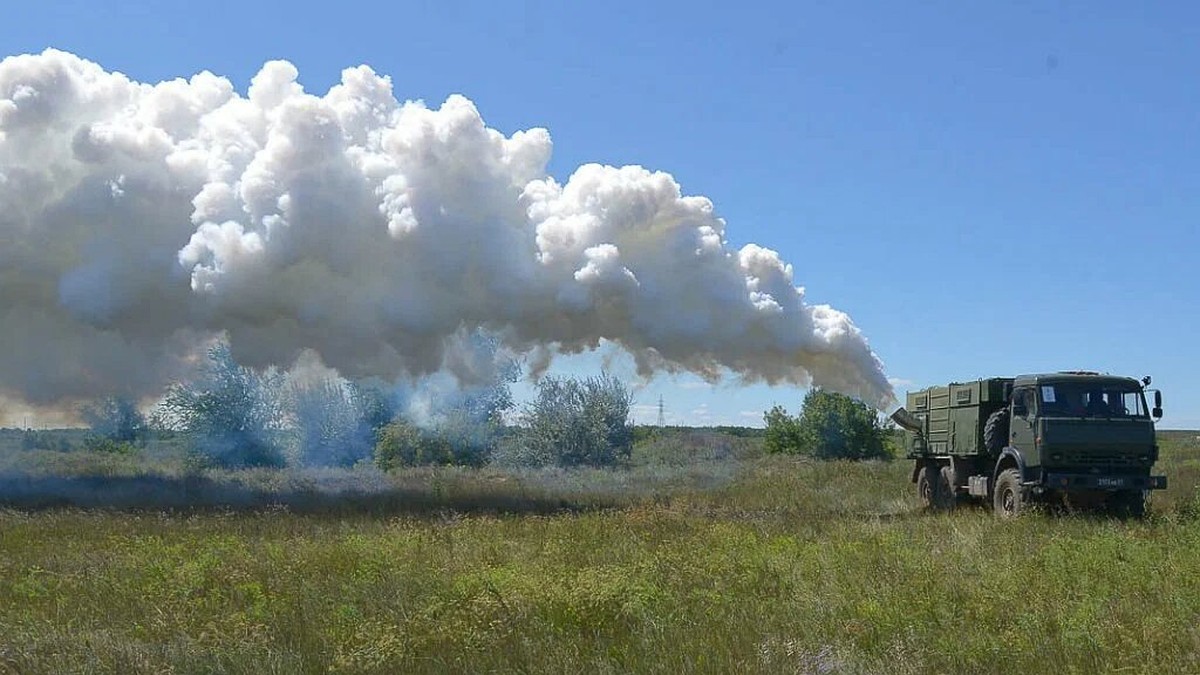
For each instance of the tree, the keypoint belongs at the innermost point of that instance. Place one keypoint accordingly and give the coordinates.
(574, 422)
(830, 426)
(783, 431)
(375, 403)
(116, 424)
(332, 430)
(232, 413)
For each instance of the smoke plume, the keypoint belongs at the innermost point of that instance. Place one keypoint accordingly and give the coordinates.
(139, 220)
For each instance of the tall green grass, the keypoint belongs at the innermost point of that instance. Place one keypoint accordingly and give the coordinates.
(720, 565)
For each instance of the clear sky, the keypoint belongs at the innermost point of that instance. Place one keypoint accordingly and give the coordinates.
(986, 188)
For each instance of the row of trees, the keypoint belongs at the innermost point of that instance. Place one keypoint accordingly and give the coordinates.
(233, 416)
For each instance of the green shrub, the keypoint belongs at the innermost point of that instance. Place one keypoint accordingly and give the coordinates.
(402, 443)
(331, 429)
(231, 413)
(830, 426)
(104, 444)
(783, 432)
(117, 419)
(573, 422)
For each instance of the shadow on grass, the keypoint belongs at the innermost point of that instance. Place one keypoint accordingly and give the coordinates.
(202, 493)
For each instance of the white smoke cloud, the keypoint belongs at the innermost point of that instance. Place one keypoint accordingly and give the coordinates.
(138, 220)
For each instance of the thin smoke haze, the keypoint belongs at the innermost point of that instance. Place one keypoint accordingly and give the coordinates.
(141, 220)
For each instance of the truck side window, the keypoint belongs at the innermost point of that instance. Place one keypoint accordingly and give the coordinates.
(1024, 403)
(1020, 406)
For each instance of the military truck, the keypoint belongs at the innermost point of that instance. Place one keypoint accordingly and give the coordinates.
(1077, 438)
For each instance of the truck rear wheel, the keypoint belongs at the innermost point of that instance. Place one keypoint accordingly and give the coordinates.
(934, 487)
(949, 498)
(927, 480)
(1009, 498)
(995, 431)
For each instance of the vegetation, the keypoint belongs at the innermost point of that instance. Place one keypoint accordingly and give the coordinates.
(230, 412)
(733, 562)
(331, 428)
(116, 425)
(830, 426)
(573, 422)
(403, 444)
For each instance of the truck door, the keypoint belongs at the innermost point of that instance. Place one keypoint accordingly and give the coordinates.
(1023, 427)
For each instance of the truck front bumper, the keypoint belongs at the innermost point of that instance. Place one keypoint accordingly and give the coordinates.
(1089, 481)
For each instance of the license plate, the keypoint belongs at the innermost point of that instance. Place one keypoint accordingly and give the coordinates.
(1110, 482)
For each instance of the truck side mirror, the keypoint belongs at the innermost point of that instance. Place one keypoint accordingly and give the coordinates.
(1158, 399)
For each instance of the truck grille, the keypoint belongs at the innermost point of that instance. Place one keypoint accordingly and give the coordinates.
(1100, 458)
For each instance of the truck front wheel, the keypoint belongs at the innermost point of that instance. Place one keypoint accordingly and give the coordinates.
(1009, 499)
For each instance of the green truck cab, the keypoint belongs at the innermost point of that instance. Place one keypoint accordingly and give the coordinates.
(1078, 437)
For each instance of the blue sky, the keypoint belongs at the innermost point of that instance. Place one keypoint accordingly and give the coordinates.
(987, 190)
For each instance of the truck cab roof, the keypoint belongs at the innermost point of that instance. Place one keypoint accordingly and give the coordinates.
(1076, 376)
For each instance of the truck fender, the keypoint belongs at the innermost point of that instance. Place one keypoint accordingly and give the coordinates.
(1009, 452)
(917, 468)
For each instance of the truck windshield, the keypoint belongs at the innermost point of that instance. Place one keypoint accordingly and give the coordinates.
(1079, 399)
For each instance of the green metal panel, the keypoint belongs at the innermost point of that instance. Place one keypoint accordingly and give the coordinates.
(995, 391)
(939, 430)
(954, 415)
(967, 430)
(964, 394)
(939, 397)
(918, 401)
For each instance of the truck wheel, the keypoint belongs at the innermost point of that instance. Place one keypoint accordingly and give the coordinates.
(934, 487)
(995, 432)
(1009, 498)
(927, 481)
(947, 495)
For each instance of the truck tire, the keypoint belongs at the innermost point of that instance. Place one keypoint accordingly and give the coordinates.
(927, 485)
(1008, 500)
(995, 431)
(947, 493)
(934, 487)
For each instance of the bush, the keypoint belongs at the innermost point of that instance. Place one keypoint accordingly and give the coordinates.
(95, 443)
(116, 419)
(402, 443)
(573, 422)
(782, 433)
(457, 438)
(460, 423)
(332, 429)
(231, 413)
(830, 426)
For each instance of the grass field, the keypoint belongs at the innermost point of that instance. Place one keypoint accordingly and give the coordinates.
(701, 557)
